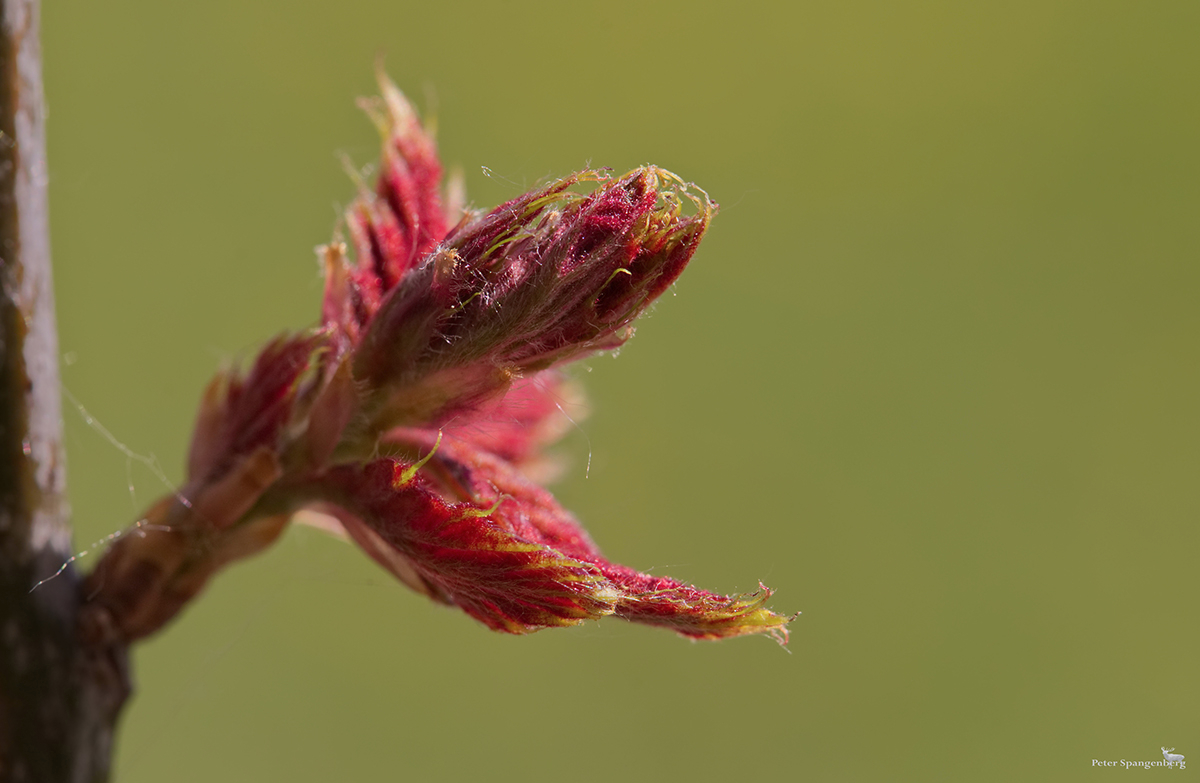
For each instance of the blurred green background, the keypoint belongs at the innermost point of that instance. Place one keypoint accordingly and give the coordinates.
(932, 376)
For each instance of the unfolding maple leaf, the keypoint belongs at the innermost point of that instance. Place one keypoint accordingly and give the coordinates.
(413, 416)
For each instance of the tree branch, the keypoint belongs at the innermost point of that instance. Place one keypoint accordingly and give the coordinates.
(62, 677)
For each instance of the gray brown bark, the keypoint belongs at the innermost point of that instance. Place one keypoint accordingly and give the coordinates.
(62, 674)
